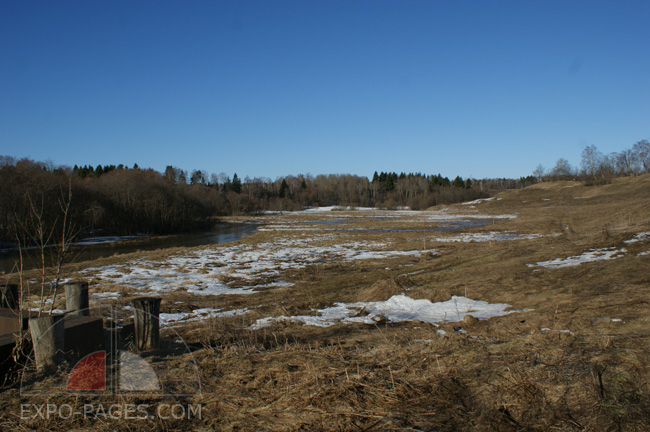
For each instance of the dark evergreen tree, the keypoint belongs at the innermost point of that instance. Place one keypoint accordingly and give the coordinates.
(236, 184)
(284, 189)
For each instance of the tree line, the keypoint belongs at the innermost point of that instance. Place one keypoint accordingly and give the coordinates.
(597, 167)
(122, 200)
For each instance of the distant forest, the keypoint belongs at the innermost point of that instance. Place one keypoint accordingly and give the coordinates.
(121, 200)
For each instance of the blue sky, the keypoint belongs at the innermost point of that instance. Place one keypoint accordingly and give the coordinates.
(270, 88)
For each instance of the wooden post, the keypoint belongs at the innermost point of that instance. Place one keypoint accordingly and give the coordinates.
(9, 296)
(76, 298)
(147, 324)
(48, 337)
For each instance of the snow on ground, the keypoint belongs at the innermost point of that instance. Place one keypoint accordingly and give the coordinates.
(484, 237)
(337, 208)
(54, 311)
(282, 227)
(237, 269)
(644, 253)
(396, 309)
(167, 319)
(589, 256)
(478, 201)
(443, 215)
(105, 296)
(640, 237)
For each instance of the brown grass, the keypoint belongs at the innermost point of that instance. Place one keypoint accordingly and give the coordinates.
(565, 365)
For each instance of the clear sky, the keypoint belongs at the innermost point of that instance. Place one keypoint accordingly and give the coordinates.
(269, 88)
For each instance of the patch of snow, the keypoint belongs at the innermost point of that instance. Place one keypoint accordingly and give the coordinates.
(47, 310)
(589, 256)
(167, 319)
(287, 228)
(212, 270)
(105, 296)
(398, 308)
(269, 285)
(442, 215)
(388, 254)
(644, 253)
(335, 208)
(640, 237)
(478, 201)
(489, 236)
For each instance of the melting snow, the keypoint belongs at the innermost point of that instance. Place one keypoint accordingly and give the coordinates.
(55, 311)
(105, 296)
(478, 201)
(396, 309)
(443, 216)
(484, 237)
(224, 269)
(589, 256)
(640, 237)
(167, 319)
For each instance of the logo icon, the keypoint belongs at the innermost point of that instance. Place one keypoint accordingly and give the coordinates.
(118, 368)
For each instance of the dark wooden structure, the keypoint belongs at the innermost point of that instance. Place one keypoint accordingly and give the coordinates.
(76, 298)
(48, 333)
(147, 322)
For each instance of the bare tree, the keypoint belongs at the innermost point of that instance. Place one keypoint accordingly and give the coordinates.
(642, 151)
(627, 162)
(608, 165)
(52, 238)
(591, 160)
(562, 169)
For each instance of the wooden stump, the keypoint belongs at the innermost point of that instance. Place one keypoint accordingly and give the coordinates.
(147, 324)
(9, 296)
(76, 298)
(48, 338)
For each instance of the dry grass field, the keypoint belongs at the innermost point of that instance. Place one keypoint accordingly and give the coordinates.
(570, 259)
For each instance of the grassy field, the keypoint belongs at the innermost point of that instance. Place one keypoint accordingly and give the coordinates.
(574, 356)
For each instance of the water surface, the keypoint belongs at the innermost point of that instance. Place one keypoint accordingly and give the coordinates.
(99, 247)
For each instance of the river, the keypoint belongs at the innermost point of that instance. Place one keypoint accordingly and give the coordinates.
(98, 247)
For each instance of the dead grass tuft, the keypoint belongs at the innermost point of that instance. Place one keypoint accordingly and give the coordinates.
(385, 288)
